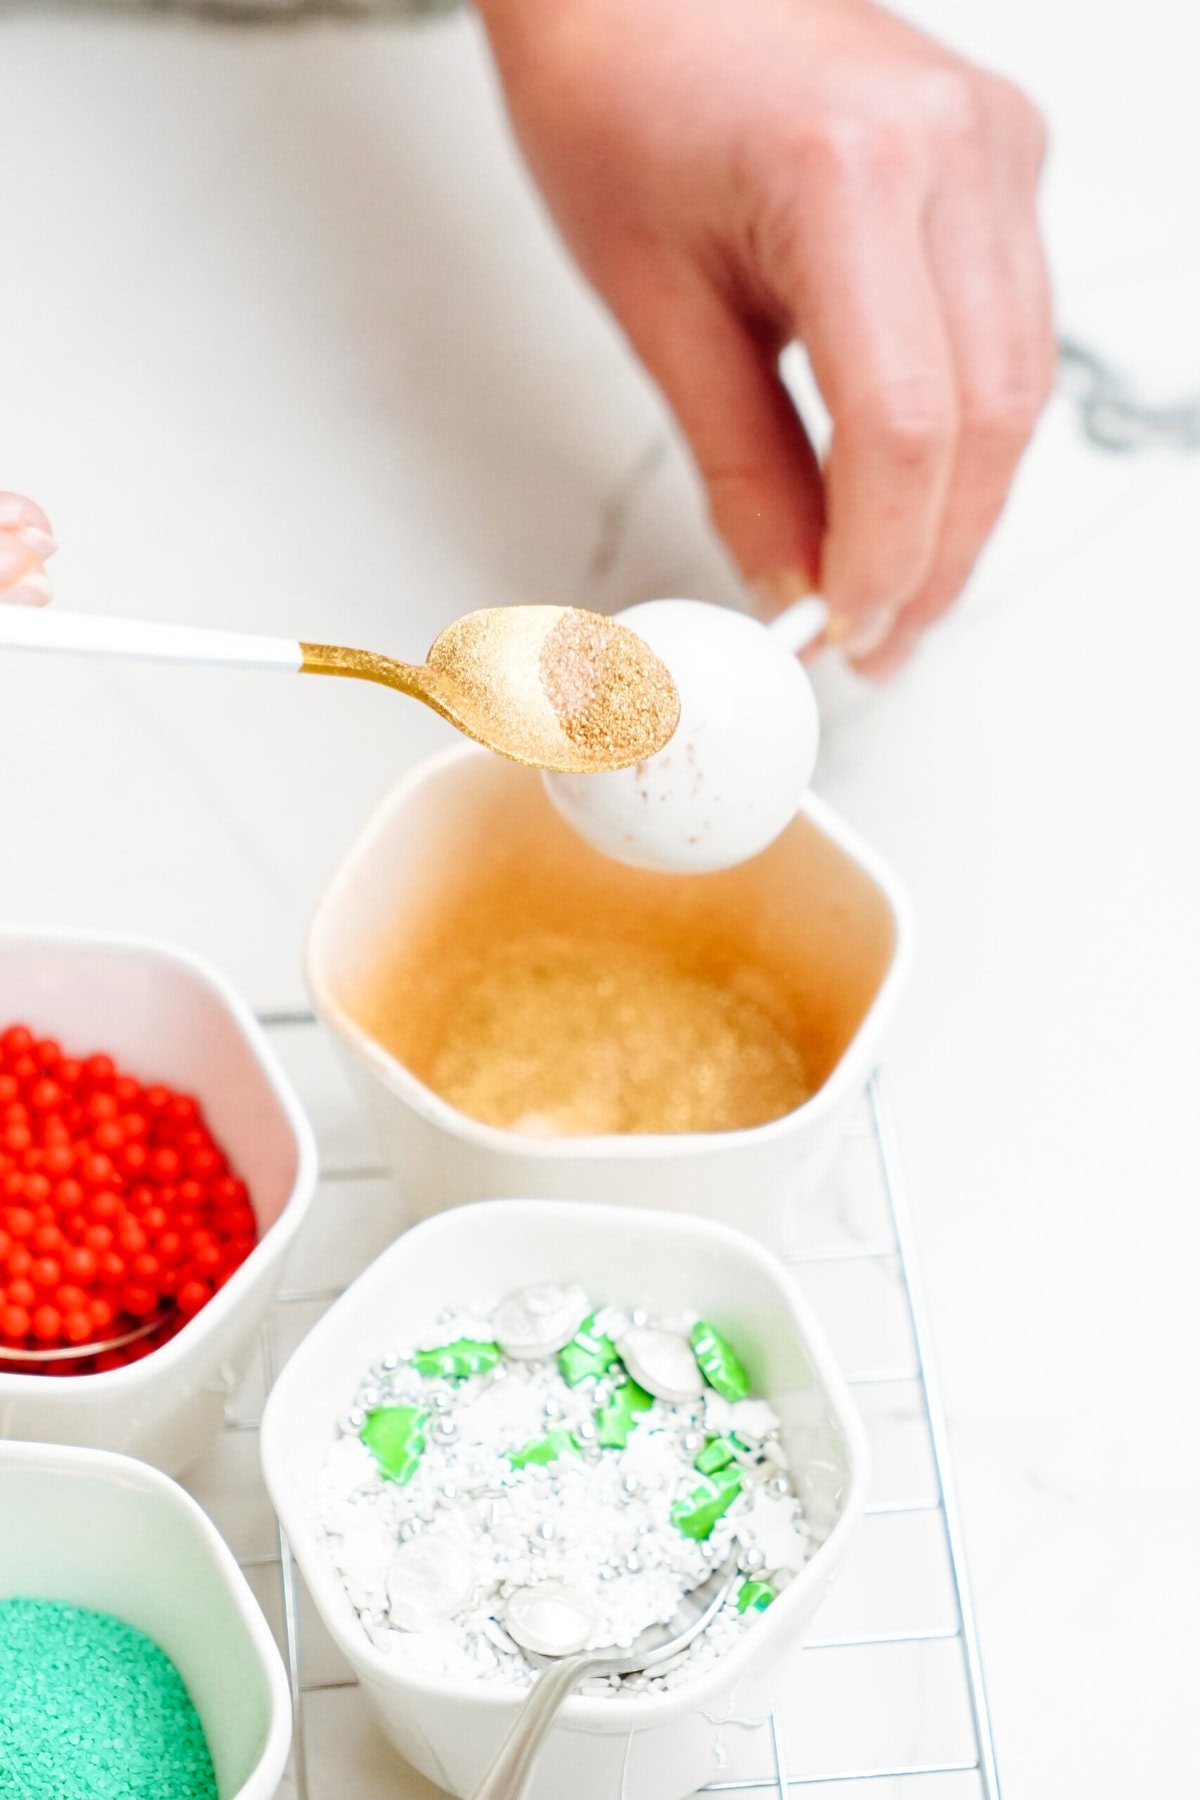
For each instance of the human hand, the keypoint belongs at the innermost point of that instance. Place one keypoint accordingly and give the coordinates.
(733, 174)
(26, 543)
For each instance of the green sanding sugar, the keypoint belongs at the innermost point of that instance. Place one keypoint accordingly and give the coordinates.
(89, 1706)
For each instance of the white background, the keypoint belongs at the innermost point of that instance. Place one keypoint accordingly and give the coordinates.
(286, 343)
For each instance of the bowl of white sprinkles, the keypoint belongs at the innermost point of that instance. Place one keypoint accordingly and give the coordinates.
(529, 1429)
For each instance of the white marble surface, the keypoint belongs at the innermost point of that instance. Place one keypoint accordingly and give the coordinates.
(285, 298)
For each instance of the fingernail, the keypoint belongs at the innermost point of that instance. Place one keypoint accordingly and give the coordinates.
(888, 660)
(860, 634)
(33, 590)
(781, 588)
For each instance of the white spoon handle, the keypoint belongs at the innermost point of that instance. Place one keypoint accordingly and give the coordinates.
(142, 640)
(800, 624)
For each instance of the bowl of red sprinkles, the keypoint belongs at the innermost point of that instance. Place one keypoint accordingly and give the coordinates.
(154, 1168)
(121, 1214)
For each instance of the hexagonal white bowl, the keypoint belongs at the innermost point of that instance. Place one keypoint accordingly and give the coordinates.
(166, 1016)
(106, 1532)
(819, 904)
(642, 1747)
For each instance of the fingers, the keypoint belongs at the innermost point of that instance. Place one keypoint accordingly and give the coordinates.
(995, 295)
(17, 512)
(866, 305)
(32, 590)
(722, 382)
(25, 544)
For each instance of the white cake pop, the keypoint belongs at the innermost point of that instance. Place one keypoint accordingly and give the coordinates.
(734, 773)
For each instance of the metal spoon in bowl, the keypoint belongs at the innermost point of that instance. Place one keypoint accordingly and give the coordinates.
(509, 1774)
(552, 686)
(46, 1358)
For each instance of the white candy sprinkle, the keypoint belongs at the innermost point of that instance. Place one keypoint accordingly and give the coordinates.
(753, 1419)
(539, 1321)
(662, 1362)
(496, 1634)
(430, 1580)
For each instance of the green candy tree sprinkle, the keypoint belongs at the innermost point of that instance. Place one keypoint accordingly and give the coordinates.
(590, 1352)
(698, 1512)
(395, 1436)
(756, 1594)
(454, 1362)
(616, 1419)
(716, 1455)
(545, 1450)
(719, 1362)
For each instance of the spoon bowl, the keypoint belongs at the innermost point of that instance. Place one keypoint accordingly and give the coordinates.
(509, 1774)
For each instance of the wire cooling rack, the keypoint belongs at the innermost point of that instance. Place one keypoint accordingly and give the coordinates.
(885, 1699)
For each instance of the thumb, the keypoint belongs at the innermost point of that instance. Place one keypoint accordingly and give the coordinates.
(721, 380)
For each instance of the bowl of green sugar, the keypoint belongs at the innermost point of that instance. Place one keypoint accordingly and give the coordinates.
(134, 1660)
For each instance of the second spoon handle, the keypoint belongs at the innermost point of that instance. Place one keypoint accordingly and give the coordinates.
(509, 1774)
(143, 640)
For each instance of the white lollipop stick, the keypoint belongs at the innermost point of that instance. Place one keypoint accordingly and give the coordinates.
(800, 624)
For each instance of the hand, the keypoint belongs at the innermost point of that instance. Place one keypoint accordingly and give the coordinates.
(732, 174)
(26, 543)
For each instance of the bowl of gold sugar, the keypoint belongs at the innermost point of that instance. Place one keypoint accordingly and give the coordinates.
(526, 1018)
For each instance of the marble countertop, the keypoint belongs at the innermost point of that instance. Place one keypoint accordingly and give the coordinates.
(283, 301)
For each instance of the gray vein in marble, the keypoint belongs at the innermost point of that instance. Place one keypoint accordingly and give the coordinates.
(1052, 1489)
(616, 509)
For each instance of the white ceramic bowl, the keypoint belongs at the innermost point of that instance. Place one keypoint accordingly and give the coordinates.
(165, 1016)
(818, 903)
(106, 1532)
(643, 1747)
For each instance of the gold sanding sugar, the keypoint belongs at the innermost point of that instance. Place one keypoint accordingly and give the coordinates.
(556, 1038)
(612, 695)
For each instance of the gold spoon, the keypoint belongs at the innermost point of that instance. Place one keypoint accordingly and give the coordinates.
(547, 685)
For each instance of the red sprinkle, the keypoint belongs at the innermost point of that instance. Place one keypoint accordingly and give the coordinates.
(117, 1205)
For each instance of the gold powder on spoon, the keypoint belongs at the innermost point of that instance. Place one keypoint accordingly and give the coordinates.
(554, 686)
(609, 690)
